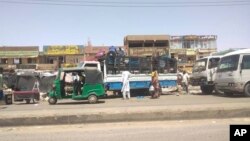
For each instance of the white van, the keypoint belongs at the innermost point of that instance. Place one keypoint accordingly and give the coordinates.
(233, 73)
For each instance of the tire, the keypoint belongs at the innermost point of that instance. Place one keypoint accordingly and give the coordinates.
(228, 93)
(218, 92)
(207, 89)
(27, 101)
(92, 99)
(52, 100)
(247, 90)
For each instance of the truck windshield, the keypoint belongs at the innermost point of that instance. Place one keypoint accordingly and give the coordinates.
(80, 64)
(229, 63)
(200, 65)
(213, 62)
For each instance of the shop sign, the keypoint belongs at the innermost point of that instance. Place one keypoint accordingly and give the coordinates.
(208, 37)
(176, 37)
(179, 51)
(190, 37)
(191, 52)
(63, 50)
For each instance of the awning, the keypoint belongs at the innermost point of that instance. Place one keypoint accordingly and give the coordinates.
(19, 54)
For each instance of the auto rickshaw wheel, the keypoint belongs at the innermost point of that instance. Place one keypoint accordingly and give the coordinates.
(52, 100)
(92, 99)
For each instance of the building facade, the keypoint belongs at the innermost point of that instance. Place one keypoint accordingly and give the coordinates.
(90, 51)
(146, 45)
(61, 54)
(19, 56)
(188, 48)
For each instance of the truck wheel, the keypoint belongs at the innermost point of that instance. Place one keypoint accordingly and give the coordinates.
(92, 99)
(228, 93)
(247, 90)
(207, 89)
(52, 100)
(27, 101)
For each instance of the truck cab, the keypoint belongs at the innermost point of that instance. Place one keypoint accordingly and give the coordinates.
(90, 64)
(203, 74)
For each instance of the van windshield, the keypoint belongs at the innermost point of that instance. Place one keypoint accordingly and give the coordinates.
(200, 65)
(229, 63)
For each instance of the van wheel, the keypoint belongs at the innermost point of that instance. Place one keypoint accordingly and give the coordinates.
(217, 91)
(247, 90)
(207, 89)
(92, 99)
(52, 100)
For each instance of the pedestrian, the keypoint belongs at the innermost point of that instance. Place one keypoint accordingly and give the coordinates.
(185, 80)
(125, 84)
(36, 86)
(179, 81)
(155, 82)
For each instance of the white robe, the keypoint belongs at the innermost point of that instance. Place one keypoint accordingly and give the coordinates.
(125, 81)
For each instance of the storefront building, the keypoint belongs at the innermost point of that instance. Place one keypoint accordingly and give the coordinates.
(187, 49)
(62, 54)
(19, 57)
(146, 45)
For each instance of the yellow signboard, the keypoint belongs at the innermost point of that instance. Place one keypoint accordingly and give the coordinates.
(191, 52)
(61, 50)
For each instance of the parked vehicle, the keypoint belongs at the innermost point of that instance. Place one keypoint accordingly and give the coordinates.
(233, 73)
(90, 88)
(1, 84)
(140, 67)
(203, 74)
(28, 92)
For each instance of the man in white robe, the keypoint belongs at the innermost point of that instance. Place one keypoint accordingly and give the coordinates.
(125, 84)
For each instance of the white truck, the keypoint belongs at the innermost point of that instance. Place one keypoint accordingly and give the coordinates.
(113, 82)
(203, 74)
(233, 73)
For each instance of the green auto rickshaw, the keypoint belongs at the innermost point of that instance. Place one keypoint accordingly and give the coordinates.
(77, 84)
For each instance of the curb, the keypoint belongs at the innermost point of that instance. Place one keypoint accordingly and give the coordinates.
(156, 115)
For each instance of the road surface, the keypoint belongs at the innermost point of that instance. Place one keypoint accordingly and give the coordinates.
(164, 100)
(187, 130)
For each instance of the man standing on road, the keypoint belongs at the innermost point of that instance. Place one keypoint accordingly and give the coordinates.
(185, 80)
(155, 83)
(125, 84)
(179, 82)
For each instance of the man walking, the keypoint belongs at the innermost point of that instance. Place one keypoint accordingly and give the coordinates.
(125, 84)
(185, 80)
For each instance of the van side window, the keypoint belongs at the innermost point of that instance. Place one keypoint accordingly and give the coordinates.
(246, 62)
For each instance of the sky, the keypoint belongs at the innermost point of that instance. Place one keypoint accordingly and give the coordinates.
(37, 24)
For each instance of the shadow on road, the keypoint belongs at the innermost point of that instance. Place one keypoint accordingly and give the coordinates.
(77, 102)
(231, 96)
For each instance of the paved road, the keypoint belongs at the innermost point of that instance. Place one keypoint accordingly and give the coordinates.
(164, 100)
(188, 130)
